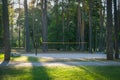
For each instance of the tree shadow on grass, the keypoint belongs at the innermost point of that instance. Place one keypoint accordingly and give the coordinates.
(30, 73)
(24, 73)
(37, 72)
(10, 73)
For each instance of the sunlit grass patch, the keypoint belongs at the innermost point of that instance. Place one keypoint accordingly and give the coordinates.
(23, 59)
(1, 56)
(60, 73)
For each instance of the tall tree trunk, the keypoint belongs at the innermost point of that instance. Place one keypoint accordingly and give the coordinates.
(27, 27)
(11, 25)
(11, 35)
(63, 23)
(90, 26)
(101, 27)
(116, 29)
(5, 18)
(109, 43)
(67, 22)
(56, 21)
(82, 26)
(19, 26)
(44, 25)
(119, 21)
(104, 26)
(79, 25)
(33, 29)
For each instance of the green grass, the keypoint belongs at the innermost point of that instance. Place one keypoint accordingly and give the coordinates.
(57, 73)
(61, 73)
(1, 56)
(24, 59)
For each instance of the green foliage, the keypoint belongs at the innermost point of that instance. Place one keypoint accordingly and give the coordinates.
(55, 23)
(55, 33)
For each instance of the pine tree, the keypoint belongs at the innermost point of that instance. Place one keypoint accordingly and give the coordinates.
(109, 42)
(5, 18)
(27, 27)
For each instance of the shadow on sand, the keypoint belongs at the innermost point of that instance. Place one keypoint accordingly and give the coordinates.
(4, 63)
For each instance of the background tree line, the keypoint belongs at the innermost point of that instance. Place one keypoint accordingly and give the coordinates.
(73, 25)
(67, 21)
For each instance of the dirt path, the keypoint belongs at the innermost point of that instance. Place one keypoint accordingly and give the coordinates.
(30, 64)
(66, 63)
